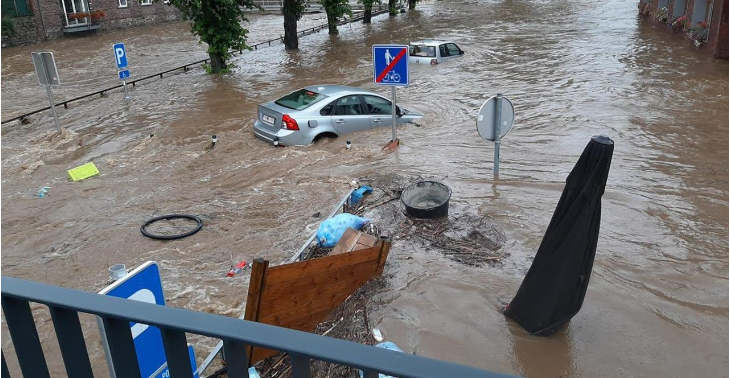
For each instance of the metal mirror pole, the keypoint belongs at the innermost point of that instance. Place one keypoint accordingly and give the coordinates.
(395, 131)
(497, 132)
(50, 96)
(126, 92)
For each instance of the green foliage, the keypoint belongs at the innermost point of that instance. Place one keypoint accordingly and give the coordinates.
(8, 26)
(392, 9)
(335, 9)
(217, 23)
(294, 8)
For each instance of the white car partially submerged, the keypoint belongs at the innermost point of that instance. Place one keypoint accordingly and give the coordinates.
(432, 51)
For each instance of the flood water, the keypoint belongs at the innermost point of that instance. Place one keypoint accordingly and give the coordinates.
(657, 303)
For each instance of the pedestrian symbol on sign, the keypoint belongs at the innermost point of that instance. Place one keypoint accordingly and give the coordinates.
(388, 57)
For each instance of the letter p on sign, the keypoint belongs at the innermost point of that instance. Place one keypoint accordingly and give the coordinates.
(121, 55)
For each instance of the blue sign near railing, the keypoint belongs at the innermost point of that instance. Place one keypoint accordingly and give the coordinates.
(145, 285)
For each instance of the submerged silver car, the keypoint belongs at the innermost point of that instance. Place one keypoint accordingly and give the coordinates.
(324, 110)
(432, 51)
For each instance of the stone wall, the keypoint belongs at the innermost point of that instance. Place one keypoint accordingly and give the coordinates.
(27, 30)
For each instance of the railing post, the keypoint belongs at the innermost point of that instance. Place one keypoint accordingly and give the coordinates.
(121, 347)
(300, 366)
(71, 340)
(176, 350)
(25, 338)
(236, 359)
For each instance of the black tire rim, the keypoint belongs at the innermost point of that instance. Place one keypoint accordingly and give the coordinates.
(168, 217)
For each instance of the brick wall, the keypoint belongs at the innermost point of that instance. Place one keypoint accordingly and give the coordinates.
(134, 14)
(30, 29)
(717, 40)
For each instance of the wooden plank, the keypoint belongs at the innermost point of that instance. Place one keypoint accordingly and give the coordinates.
(256, 287)
(367, 240)
(304, 268)
(384, 251)
(327, 300)
(279, 289)
(322, 293)
(347, 242)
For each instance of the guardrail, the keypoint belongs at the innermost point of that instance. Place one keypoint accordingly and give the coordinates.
(183, 67)
(116, 313)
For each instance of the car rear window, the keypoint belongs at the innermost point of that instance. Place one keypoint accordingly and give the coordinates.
(423, 50)
(300, 99)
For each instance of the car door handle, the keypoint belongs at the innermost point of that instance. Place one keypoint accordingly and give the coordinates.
(378, 120)
(340, 121)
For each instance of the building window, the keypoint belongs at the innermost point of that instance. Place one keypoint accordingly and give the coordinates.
(15, 8)
(145, 2)
(122, 3)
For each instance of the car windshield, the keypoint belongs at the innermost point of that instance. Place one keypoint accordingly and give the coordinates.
(423, 50)
(300, 99)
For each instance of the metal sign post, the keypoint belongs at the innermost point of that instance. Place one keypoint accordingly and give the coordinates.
(120, 55)
(392, 101)
(497, 131)
(390, 67)
(494, 121)
(45, 69)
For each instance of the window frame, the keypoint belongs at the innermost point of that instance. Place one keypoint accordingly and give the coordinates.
(367, 106)
(458, 49)
(359, 102)
(145, 3)
(126, 3)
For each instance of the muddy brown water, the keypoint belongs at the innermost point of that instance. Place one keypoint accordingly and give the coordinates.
(657, 304)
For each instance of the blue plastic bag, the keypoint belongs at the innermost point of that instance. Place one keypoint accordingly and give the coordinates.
(356, 196)
(330, 230)
(384, 345)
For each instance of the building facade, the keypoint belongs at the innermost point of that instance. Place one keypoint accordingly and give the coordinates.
(703, 23)
(30, 21)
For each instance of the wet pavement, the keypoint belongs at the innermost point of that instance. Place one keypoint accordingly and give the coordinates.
(657, 304)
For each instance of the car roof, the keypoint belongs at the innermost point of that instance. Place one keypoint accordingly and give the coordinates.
(429, 42)
(334, 89)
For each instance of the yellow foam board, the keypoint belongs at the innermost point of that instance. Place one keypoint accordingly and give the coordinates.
(83, 172)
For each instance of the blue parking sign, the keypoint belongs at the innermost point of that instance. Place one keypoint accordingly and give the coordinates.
(390, 65)
(120, 54)
(145, 285)
(123, 74)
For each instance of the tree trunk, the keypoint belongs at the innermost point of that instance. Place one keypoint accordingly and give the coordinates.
(332, 23)
(368, 15)
(217, 64)
(391, 8)
(411, 4)
(291, 40)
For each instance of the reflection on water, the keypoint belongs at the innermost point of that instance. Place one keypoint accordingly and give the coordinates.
(657, 304)
(542, 357)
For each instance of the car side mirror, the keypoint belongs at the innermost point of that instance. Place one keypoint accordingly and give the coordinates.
(398, 111)
(313, 123)
(461, 52)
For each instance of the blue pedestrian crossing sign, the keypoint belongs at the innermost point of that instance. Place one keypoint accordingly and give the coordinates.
(120, 54)
(145, 285)
(123, 74)
(390, 65)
